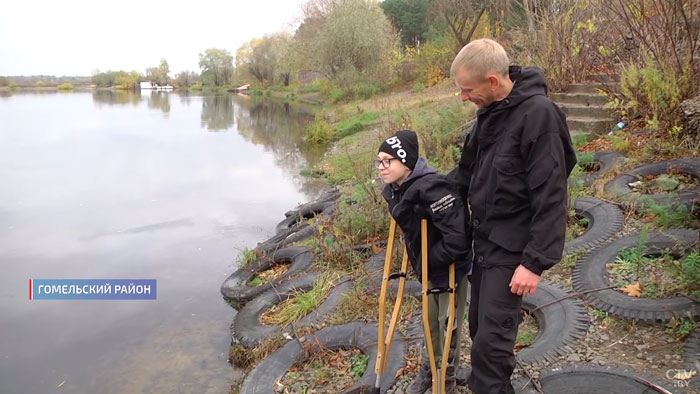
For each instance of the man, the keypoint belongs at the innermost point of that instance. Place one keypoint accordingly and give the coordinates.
(513, 173)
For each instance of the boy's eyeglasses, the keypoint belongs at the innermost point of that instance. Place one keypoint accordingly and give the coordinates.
(383, 163)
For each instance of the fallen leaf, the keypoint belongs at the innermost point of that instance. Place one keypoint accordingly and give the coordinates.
(376, 249)
(62, 383)
(634, 290)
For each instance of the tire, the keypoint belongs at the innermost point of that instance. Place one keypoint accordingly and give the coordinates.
(352, 335)
(606, 160)
(605, 220)
(588, 379)
(246, 328)
(561, 324)
(619, 186)
(235, 287)
(591, 273)
(374, 268)
(691, 358)
(306, 211)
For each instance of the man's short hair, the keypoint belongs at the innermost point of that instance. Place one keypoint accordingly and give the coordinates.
(480, 58)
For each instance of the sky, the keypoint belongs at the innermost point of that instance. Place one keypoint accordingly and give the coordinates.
(77, 37)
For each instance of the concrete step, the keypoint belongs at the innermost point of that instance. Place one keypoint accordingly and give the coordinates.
(589, 111)
(590, 88)
(578, 99)
(590, 126)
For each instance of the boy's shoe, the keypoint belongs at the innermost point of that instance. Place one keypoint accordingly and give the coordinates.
(450, 382)
(422, 382)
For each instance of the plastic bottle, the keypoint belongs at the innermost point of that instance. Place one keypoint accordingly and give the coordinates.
(619, 126)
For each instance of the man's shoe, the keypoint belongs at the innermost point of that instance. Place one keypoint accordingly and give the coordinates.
(422, 382)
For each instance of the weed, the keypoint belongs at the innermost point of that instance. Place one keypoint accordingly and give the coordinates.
(688, 273)
(570, 260)
(358, 365)
(681, 328)
(246, 257)
(668, 216)
(579, 141)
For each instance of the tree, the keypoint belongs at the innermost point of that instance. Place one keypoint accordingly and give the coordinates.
(409, 17)
(217, 66)
(266, 59)
(159, 74)
(4, 81)
(357, 37)
(462, 17)
(186, 79)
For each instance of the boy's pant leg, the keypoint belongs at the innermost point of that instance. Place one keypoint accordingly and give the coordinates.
(438, 309)
(494, 316)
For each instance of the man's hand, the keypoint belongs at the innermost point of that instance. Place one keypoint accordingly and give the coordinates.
(524, 281)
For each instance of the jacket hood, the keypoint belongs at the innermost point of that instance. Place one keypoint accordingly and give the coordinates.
(421, 169)
(527, 82)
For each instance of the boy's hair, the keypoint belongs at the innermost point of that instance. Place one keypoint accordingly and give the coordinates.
(480, 58)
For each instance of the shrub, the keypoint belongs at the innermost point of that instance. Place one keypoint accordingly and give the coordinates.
(65, 86)
(365, 90)
(663, 71)
(319, 131)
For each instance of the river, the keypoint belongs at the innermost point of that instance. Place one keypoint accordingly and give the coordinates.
(110, 185)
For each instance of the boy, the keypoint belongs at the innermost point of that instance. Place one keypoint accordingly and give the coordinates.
(414, 190)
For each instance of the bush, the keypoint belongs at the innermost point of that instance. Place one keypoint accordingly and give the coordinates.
(196, 87)
(319, 132)
(662, 71)
(365, 90)
(649, 92)
(65, 86)
(418, 87)
(566, 43)
(440, 133)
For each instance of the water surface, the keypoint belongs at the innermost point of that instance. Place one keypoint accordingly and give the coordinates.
(115, 185)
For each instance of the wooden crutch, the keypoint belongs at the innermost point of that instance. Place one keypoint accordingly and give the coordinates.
(384, 343)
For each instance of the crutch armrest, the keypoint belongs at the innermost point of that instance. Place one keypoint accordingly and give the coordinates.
(395, 275)
(439, 290)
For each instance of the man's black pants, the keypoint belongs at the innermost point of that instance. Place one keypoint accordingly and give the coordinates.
(494, 316)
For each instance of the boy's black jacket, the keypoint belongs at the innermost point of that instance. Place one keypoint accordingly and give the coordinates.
(425, 193)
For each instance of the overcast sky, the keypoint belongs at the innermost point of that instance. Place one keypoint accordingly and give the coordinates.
(75, 37)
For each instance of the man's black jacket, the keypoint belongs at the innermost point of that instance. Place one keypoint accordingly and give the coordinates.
(513, 172)
(428, 194)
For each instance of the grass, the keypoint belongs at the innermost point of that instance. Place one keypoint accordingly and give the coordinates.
(354, 124)
(681, 328)
(571, 259)
(246, 257)
(668, 216)
(300, 304)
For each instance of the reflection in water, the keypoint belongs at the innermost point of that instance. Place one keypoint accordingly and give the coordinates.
(217, 113)
(158, 100)
(114, 97)
(278, 126)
